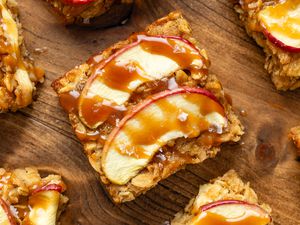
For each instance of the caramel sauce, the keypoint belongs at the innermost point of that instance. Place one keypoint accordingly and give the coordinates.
(94, 111)
(25, 203)
(22, 205)
(208, 218)
(38, 200)
(38, 204)
(10, 49)
(209, 139)
(171, 159)
(169, 48)
(119, 76)
(152, 128)
(285, 18)
(69, 100)
(243, 112)
(88, 136)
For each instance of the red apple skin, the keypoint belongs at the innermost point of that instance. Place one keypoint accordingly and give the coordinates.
(6, 209)
(152, 99)
(279, 43)
(49, 187)
(77, 2)
(121, 51)
(228, 202)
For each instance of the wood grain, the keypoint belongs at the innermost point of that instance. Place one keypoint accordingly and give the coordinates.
(41, 136)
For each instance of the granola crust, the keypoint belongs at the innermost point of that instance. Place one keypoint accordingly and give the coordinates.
(173, 24)
(294, 135)
(18, 75)
(283, 66)
(82, 14)
(228, 187)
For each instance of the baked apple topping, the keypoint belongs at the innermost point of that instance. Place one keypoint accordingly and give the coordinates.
(19, 71)
(43, 204)
(6, 217)
(163, 117)
(144, 125)
(113, 80)
(281, 24)
(38, 206)
(231, 212)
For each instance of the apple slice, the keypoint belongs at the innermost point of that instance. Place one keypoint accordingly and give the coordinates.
(281, 24)
(229, 212)
(6, 217)
(44, 205)
(168, 115)
(148, 58)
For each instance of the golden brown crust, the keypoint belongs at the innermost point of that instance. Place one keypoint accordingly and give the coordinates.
(294, 135)
(18, 75)
(228, 187)
(283, 66)
(173, 24)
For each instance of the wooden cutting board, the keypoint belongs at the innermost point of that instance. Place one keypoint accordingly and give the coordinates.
(41, 136)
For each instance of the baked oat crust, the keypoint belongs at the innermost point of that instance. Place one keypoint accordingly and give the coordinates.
(84, 14)
(173, 24)
(294, 135)
(228, 187)
(18, 75)
(283, 66)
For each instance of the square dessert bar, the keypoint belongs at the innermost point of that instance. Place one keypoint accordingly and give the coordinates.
(18, 75)
(28, 198)
(273, 25)
(100, 13)
(146, 107)
(225, 199)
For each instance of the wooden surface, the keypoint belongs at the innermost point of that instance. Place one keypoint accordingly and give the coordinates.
(41, 135)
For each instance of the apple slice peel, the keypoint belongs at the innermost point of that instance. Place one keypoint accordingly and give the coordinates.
(6, 216)
(44, 204)
(231, 212)
(281, 24)
(139, 65)
(142, 132)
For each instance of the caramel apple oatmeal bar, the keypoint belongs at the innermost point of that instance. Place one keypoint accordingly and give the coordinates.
(274, 25)
(28, 198)
(146, 107)
(18, 75)
(225, 200)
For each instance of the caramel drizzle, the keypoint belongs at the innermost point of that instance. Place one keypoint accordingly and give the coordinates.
(11, 53)
(10, 47)
(95, 109)
(208, 218)
(25, 203)
(151, 128)
(284, 22)
(22, 207)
